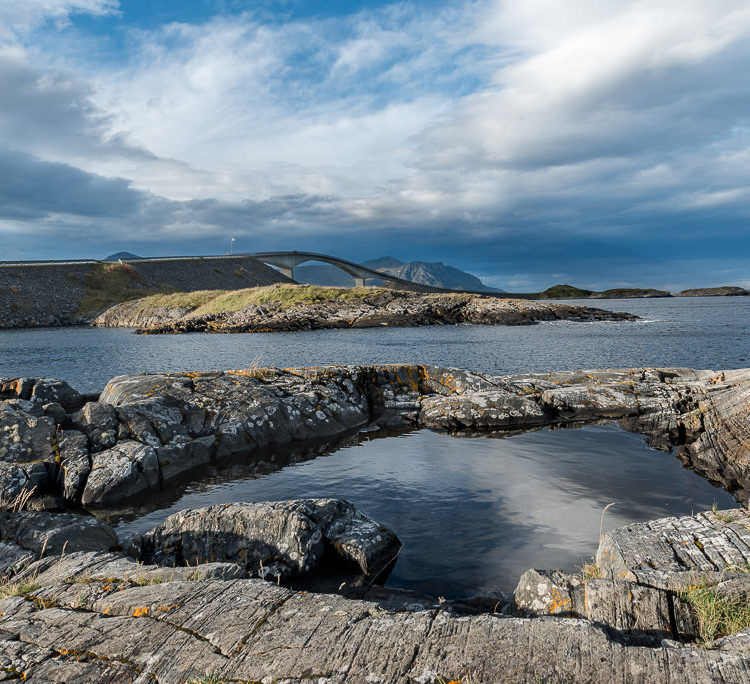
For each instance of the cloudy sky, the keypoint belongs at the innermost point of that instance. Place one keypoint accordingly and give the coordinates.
(601, 142)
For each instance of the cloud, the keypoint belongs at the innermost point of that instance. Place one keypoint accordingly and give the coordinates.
(22, 16)
(480, 131)
(34, 189)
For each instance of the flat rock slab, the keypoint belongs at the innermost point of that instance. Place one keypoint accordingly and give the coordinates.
(659, 552)
(250, 630)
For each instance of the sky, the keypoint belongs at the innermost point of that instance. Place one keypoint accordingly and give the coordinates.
(602, 143)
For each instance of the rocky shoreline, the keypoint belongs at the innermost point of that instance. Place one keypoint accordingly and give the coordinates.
(187, 600)
(339, 308)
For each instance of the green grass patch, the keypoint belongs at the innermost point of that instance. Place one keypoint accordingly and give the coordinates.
(10, 588)
(718, 614)
(280, 296)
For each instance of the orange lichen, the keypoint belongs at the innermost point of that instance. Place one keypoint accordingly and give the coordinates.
(141, 610)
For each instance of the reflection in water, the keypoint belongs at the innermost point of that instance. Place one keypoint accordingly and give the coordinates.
(474, 513)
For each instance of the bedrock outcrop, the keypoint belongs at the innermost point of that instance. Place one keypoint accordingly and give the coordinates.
(178, 603)
(147, 431)
(380, 307)
(99, 615)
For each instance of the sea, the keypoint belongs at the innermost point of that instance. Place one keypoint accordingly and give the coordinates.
(473, 512)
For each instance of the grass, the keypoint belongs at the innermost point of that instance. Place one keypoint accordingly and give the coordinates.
(280, 296)
(718, 614)
(591, 571)
(10, 588)
(108, 284)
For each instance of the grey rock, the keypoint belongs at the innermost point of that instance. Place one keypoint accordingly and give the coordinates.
(127, 470)
(99, 422)
(75, 464)
(551, 592)
(177, 459)
(25, 437)
(47, 390)
(270, 539)
(13, 558)
(53, 533)
(657, 550)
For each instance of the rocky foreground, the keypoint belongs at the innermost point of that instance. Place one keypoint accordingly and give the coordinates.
(285, 308)
(189, 600)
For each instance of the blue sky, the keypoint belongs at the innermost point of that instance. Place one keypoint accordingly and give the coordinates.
(605, 143)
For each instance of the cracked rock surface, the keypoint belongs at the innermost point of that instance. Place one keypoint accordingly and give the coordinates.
(91, 613)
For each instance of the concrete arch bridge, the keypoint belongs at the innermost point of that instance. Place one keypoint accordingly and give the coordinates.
(287, 261)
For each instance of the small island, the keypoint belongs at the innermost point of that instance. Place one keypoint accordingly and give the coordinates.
(283, 307)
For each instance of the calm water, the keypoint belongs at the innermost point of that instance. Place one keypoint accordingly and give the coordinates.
(473, 513)
(704, 332)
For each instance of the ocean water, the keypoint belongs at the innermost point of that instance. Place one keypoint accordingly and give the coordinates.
(701, 332)
(472, 512)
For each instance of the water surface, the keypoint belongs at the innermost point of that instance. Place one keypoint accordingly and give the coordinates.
(701, 332)
(474, 512)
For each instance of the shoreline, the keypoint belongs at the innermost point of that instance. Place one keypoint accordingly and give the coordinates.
(630, 614)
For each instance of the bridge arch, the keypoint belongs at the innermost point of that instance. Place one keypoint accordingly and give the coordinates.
(287, 261)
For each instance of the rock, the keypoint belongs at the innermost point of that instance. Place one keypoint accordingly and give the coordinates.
(110, 568)
(75, 464)
(23, 436)
(658, 552)
(124, 471)
(13, 558)
(47, 390)
(640, 612)
(14, 482)
(250, 630)
(99, 422)
(487, 409)
(271, 539)
(177, 459)
(55, 533)
(551, 592)
(345, 309)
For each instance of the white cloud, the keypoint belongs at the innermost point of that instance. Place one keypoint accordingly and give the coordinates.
(22, 16)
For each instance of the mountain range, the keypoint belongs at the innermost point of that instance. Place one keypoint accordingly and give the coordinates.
(435, 274)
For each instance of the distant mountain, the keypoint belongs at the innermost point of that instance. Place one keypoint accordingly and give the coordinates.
(434, 274)
(121, 255)
(437, 274)
(383, 262)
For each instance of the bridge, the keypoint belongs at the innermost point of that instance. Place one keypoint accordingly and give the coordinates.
(286, 262)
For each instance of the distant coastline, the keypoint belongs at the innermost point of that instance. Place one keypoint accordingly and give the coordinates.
(572, 292)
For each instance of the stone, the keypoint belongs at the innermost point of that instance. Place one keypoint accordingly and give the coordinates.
(48, 390)
(23, 436)
(177, 459)
(55, 533)
(127, 470)
(271, 539)
(99, 422)
(550, 592)
(75, 464)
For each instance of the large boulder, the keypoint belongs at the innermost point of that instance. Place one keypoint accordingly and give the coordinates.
(56, 533)
(25, 434)
(271, 539)
(124, 471)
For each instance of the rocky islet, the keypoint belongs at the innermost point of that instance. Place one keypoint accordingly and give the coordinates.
(183, 601)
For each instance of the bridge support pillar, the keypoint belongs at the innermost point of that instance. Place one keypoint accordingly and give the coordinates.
(359, 282)
(288, 271)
